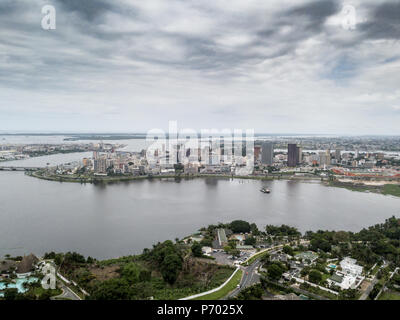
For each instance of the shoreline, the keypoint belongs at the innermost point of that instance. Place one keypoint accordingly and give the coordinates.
(391, 188)
(112, 179)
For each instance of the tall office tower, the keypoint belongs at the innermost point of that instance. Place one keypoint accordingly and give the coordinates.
(328, 156)
(210, 152)
(292, 156)
(322, 159)
(100, 165)
(338, 155)
(267, 153)
(299, 155)
(222, 147)
(257, 151)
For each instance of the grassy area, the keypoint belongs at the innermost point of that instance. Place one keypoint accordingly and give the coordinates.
(230, 286)
(255, 257)
(258, 256)
(390, 295)
(325, 276)
(387, 189)
(173, 293)
(375, 270)
(391, 189)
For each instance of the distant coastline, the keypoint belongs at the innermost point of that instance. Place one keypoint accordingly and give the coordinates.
(384, 189)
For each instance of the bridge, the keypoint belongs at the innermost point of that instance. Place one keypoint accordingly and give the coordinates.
(7, 168)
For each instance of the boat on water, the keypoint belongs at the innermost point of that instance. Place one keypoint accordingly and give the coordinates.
(265, 190)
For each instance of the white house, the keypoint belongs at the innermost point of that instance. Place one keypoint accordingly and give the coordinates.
(349, 277)
(206, 250)
(350, 267)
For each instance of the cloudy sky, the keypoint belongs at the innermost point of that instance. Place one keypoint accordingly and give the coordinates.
(276, 66)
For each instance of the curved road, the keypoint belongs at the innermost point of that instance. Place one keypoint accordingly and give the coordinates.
(249, 278)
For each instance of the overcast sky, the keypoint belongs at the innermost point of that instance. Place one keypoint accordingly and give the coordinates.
(275, 66)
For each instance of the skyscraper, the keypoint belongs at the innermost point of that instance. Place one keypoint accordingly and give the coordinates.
(267, 155)
(293, 153)
(338, 155)
(328, 156)
(257, 152)
(299, 155)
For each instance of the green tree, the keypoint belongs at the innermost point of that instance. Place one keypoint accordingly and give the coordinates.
(113, 289)
(171, 267)
(254, 229)
(196, 249)
(275, 271)
(239, 226)
(288, 250)
(250, 241)
(131, 272)
(315, 276)
(12, 294)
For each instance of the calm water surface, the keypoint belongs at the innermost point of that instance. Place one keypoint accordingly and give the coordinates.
(119, 219)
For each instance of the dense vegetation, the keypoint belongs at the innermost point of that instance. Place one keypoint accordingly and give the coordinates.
(367, 246)
(167, 271)
(283, 230)
(240, 226)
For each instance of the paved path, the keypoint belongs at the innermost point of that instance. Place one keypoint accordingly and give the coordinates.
(375, 280)
(67, 293)
(250, 277)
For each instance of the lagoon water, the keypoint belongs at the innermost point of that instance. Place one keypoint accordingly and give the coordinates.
(106, 221)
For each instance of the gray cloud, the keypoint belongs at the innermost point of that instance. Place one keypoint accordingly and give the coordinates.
(384, 22)
(147, 62)
(316, 12)
(87, 9)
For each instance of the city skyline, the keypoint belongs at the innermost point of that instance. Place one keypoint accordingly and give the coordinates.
(132, 66)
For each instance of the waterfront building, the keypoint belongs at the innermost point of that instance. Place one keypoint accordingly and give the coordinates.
(86, 162)
(293, 152)
(100, 165)
(267, 155)
(338, 155)
(328, 156)
(323, 159)
(257, 152)
(299, 155)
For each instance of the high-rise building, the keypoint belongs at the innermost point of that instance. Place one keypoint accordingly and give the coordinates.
(338, 155)
(292, 156)
(328, 157)
(299, 155)
(257, 152)
(267, 155)
(86, 162)
(325, 158)
(100, 165)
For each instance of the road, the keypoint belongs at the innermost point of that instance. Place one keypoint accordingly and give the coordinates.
(250, 274)
(67, 293)
(375, 280)
(250, 277)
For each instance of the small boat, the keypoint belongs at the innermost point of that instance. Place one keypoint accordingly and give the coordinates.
(265, 190)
